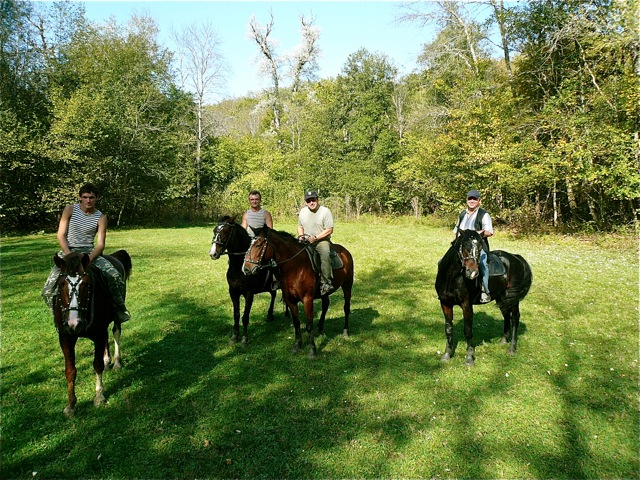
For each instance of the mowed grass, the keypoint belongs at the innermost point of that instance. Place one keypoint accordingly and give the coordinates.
(379, 404)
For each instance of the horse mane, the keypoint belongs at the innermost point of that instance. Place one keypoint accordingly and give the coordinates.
(287, 236)
(73, 262)
(227, 219)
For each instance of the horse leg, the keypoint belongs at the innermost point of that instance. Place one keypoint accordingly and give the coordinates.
(308, 311)
(270, 316)
(98, 366)
(295, 315)
(106, 358)
(467, 312)
(248, 302)
(117, 331)
(346, 290)
(448, 331)
(323, 314)
(68, 344)
(235, 300)
(511, 324)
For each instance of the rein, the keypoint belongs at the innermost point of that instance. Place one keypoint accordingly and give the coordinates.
(273, 263)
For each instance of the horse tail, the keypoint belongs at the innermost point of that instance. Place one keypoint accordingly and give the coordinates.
(123, 257)
(520, 279)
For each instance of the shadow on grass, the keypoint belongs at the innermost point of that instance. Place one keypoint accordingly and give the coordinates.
(188, 405)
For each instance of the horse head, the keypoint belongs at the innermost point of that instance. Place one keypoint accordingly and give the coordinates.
(74, 292)
(469, 245)
(260, 252)
(224, 237)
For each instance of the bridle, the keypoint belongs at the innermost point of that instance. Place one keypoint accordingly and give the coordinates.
(224, 245)
(474, 253)
(74, 282)
(263, 250)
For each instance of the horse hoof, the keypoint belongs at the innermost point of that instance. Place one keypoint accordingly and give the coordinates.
(245, 340)
(446, 357)
(512, 351)
(69, 412)
(471, 362)
(117, 365)
(312, 354)
(345, 332)
(233, 340)
(504, 340)
(99, 400)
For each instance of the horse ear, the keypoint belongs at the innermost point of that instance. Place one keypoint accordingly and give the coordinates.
(58, 261)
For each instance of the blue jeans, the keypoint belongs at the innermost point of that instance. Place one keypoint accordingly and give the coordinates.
(484, 271)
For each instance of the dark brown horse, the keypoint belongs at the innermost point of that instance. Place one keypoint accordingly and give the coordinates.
(458, 283)
(299, 281)
(230, 238)
(83, 308)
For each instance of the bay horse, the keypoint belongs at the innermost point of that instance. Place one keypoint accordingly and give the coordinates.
(299, 281)
(83, 308)
(458, 282)
(232, 239)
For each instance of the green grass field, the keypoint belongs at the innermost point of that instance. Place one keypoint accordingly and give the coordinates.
(379, 404)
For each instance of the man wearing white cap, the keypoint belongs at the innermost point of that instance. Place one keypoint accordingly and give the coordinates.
(315, 226)
(478, 219)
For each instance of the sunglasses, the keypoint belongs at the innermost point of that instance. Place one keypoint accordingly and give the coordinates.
(311, 200)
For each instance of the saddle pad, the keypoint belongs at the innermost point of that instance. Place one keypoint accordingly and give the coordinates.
(336, 261)
(496, 267)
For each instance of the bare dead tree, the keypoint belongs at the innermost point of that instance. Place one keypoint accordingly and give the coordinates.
(270, 61)
(298, 65)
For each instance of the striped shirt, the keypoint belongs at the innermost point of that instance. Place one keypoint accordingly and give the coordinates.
(255, 220)
(82, 227)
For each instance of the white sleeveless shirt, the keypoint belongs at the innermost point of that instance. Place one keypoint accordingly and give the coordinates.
(82, 227)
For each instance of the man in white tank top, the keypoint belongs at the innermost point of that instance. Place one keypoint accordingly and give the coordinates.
(79, 225)
(256, 217)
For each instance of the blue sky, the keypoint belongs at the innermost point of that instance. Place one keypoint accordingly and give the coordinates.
(345, 28)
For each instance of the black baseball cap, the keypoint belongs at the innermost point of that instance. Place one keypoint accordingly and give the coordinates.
(473, 193)
(310, 194)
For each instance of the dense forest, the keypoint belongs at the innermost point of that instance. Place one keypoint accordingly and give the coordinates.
(547, 130)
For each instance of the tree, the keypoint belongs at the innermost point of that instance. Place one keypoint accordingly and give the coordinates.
(113, 105)
(302, 60)
(202, 71)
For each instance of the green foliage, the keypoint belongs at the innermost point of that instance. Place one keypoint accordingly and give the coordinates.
(548, 138)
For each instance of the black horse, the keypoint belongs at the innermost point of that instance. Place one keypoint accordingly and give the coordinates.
(83, 308)
(458, 283)
(229, 237)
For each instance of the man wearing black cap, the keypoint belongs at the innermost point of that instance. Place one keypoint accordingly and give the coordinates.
(478, 219)
(315, 226)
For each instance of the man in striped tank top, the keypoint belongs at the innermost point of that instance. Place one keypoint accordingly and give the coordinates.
(79, 225)
(256, 217)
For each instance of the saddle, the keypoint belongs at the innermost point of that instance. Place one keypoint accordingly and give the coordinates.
(495, 266)
(334, 258)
